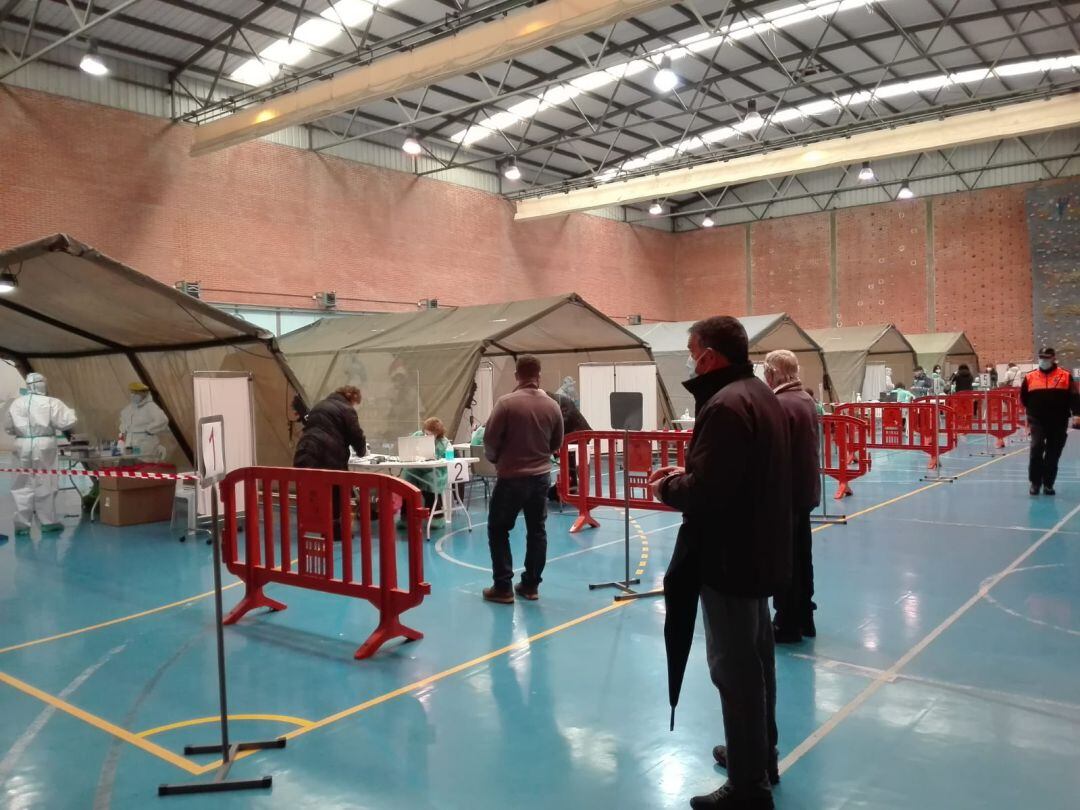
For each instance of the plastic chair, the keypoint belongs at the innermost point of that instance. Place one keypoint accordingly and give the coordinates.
(483, 471)
(187, 493)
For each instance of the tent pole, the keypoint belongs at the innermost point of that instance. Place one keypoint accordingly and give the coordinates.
(174, 426)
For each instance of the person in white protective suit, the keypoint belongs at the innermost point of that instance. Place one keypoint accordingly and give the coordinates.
(34, 420)
(141, 422)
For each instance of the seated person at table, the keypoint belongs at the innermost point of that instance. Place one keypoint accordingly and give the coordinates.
(902, 394)
(430, 482)
(477, 439)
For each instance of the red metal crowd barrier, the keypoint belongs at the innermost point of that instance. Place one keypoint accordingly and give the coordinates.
(596, 452)
(844, 452)
(922, 425)
(993, 412)
(266, 554)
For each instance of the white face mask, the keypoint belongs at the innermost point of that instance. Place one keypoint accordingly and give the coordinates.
(691, 366)
(136, 399)
(1046, 363)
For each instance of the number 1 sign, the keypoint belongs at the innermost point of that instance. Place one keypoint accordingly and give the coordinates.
(211, 450)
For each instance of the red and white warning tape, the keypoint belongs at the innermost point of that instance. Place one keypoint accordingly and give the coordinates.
(105, 474)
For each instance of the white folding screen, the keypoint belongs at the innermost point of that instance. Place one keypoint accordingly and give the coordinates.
(599, 380)
(227, 394)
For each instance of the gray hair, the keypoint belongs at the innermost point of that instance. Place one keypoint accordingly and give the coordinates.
(784, 366)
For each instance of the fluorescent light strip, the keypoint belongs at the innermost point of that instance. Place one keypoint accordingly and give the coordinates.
(558, 94)
(753, 124)
(312, 33)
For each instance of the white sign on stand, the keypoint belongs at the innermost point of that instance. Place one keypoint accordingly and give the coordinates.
(211, 450)
(459, 471)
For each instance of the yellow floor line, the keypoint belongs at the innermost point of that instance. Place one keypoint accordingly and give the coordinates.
(906, 495)
(202, 721)
(439, 676)
(103, 725)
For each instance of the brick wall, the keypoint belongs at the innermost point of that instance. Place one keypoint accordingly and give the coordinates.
(267, 224)
(975, 252)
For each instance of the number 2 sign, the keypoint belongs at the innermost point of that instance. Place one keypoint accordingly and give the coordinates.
(211, 450)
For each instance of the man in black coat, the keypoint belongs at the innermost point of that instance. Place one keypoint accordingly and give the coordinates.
(734, 548)
(795, 605)
(573, 421)
(330, 429)
(1048, 394)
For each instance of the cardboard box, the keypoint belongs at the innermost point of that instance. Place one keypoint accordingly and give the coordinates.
(130, 501)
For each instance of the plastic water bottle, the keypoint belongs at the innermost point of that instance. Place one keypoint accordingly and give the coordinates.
(449, 452)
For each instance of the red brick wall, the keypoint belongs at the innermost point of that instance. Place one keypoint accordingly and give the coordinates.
(710, 266)
(983, 271)
(262, 223)
(881, 265)
(791, 268)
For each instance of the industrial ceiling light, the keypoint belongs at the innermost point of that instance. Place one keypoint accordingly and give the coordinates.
(511, 170)
(707, 222)
(753, 118)
(905, 192)
(665, 80)
(8, 282)
(866, 172)
(656, 209)
(91, 63)
(411, 146)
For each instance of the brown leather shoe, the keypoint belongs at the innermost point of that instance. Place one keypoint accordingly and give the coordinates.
(495, 595)
(532, 594)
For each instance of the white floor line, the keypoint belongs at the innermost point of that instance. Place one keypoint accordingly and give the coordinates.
(831, 724)
(873, 672)
(441, 551)
(971, 525)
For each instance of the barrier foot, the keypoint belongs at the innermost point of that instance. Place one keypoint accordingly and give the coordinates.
(583, 520)
(220, 784)
(623, 585)
(829, 520)
(842, 492)
(388, 629)
(625, 597)
(251, 601)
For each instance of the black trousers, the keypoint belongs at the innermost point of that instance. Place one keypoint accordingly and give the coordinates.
(1047, 442)
(795, 606)
(429, 503)
(510, 497)
(739, 648)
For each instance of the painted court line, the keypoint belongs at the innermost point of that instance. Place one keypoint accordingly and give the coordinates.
(831, 724)
(202, 721)
(102, 724)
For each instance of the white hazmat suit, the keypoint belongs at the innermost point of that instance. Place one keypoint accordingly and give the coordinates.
(140, 423)
(34, 420)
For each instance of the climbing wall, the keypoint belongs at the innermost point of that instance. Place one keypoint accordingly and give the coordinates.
(881, 265)
(982, 268)
(790, 268)
(1053, 215)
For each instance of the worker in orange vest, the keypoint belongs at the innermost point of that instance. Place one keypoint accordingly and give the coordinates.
(1048, 394)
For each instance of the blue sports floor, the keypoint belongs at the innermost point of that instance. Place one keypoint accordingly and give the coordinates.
(945, 674)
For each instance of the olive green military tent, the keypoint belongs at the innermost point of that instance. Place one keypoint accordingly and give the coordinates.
(945, 349)
(856, 357)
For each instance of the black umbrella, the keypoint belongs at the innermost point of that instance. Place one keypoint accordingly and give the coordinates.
(682, 586)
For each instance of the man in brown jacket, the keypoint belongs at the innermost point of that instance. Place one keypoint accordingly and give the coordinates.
(524, 431)
(794, 605)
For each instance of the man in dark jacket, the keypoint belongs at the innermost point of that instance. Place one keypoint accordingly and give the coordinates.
(330, 429)
(573, 421)
(1048, 394)
(734, 547)
(795, 606)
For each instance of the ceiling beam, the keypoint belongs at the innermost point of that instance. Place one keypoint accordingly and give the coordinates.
(1009, 121)
(531, 29)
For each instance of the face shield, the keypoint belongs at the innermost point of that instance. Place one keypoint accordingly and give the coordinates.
(35, 383)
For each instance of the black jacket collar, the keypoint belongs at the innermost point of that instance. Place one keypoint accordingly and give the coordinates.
(707, 385)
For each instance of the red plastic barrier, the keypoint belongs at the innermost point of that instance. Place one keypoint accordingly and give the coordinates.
(923, 425)
(981, 412)
(596, 452)
(844, 452)
(270, 540)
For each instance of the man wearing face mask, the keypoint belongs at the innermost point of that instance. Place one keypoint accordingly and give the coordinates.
(733, 551)
(1048, 394)
(141, 422)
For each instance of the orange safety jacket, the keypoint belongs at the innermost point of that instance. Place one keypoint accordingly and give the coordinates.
(1048, 396)
(1058, 380)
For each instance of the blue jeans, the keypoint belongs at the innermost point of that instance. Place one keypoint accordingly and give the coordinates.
(510, 497)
